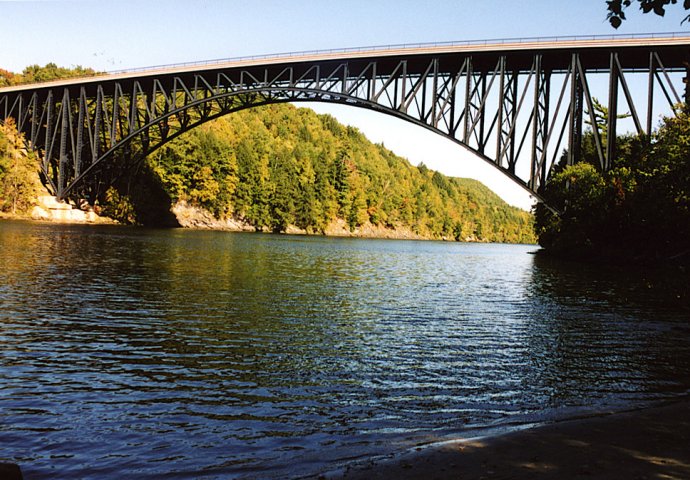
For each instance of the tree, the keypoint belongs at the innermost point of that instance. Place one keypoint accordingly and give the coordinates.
(278, 167)
(36, 73)
(18, 171)
(616, 9)
(579, 192)
(601, 118)
(640, 209)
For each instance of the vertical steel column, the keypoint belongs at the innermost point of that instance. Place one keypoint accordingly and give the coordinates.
(146, 139)
(115, 115)
(424, 80)
(396, 85)
(371, 85)
(434, 95)
(482, 117)
(80, 133)
(64, 131)
(35, 123)
(19, 117)
(97, 122)
(512, 118)
(134, 107)
(535, 122)
(540, 122)
(650, 94)
(345, 74)
(501, 110)
(468, 89)
(613, 112)
(575, 115)
(545, 125)
(48, 135)
(403, 87)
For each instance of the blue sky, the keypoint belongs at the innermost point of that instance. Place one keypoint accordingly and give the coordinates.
(113, 35)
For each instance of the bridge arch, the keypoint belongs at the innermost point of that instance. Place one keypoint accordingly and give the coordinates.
(305, 96)
(516, 105)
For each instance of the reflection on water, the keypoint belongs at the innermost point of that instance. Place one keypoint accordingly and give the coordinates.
(141, 353)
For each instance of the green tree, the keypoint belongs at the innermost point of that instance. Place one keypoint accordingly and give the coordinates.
(49, 72)
(640, 209)
(601, 119)
(279, 166)
(19, 183)
(118, 207)
(578, 192)
(616, 9)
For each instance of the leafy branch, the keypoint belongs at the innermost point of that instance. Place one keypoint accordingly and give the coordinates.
(616, 9)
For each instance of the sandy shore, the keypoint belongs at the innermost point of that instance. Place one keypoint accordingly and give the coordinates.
(645, 444)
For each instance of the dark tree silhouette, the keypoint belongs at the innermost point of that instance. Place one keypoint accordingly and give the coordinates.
(616, 9)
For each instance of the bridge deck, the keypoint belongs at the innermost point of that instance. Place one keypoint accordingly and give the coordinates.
(553, 46)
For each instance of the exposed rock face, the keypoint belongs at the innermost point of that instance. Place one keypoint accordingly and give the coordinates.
(339, 228)
(48, 208)
(190, 216)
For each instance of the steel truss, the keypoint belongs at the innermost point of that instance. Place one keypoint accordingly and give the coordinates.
(517, 110)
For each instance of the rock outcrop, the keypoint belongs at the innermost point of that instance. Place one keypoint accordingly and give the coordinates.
(50, 209)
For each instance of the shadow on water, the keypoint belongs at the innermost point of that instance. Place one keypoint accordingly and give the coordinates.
(661, 288)
(619, 332)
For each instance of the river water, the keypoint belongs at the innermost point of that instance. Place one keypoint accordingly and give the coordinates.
(134, 353)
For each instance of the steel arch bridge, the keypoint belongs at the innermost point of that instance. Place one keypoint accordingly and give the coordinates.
(517, 104)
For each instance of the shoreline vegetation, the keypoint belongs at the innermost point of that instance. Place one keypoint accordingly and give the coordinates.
(636, 212)
(47, 209)
(647, 443)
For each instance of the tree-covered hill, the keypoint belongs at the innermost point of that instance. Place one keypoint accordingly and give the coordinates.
(279, 166)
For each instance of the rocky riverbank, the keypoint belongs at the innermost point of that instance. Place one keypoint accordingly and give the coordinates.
(190, 216)
(49, 209)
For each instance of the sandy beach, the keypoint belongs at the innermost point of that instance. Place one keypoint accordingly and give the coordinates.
(652, 443)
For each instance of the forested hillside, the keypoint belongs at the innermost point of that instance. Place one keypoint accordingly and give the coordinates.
(280, 166)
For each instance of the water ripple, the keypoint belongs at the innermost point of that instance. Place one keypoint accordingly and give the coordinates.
(138, 353)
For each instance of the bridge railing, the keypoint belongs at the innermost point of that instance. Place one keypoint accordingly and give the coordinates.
(375, 48)
(379, 48)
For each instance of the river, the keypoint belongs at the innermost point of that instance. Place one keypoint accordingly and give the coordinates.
(136, 353)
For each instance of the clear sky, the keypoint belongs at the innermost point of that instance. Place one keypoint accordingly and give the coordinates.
(114, 35)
